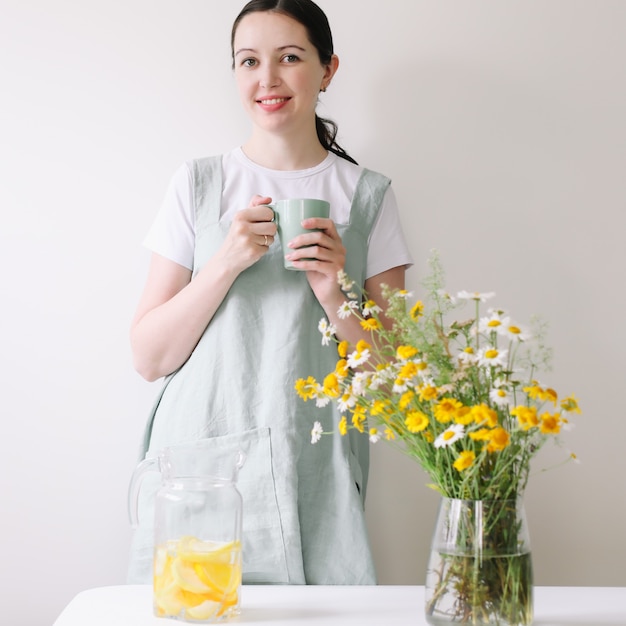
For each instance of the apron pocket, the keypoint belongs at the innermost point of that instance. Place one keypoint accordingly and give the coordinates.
(264, 554)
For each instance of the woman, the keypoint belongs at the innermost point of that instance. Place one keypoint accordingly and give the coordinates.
(232, 330)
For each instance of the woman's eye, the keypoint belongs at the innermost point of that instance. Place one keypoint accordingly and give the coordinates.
(248, 63)
(290, 58)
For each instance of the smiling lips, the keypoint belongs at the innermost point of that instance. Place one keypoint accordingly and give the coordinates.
(272, 101)
(272, 104)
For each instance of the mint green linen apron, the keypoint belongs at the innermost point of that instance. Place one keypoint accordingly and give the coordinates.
(303, 520)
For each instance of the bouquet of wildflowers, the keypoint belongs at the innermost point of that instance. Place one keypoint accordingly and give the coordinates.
(463, 398)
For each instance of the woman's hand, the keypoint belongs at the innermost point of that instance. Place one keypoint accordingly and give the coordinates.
(174, 310)
(250, 235)
(325, 248)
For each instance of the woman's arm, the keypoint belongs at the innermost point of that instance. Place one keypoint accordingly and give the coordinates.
(174, 310)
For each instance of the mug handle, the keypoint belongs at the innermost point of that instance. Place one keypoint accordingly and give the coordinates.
(273, 210)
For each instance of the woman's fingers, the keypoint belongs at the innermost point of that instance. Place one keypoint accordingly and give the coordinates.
(323, 249)
(257, 200)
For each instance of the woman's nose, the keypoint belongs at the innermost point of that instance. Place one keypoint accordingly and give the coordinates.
(269, 78)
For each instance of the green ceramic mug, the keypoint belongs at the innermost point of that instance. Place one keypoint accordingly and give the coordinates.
(288, 215)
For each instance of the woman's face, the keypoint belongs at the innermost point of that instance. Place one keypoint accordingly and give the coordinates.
(278, 72)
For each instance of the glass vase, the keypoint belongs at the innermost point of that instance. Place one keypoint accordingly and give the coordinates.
(480, 567)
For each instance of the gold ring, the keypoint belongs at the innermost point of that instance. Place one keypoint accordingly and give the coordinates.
(265, 243)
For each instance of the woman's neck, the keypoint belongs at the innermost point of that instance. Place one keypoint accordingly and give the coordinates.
(277, 152)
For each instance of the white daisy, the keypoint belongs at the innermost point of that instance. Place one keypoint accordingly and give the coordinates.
(358, 357)
(491, 356)
(327, 334)
(380, 378)
(400, 386)
(475, 295)
(500, 396)
(370, 307)
(316, 432)
(322, 325)
(359, 383)
(515, 331)
(403, 294)
(374, 435)
(347, 401)
(444, 295)
(449, 436)
(467, 356)
(346, 308)
(494, 323)
(321, 401)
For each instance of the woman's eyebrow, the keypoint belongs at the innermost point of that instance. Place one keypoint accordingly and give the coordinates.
(279, 49)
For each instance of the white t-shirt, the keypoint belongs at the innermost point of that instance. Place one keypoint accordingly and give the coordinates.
(172, 234)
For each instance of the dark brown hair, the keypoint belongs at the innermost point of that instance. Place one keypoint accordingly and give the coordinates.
(307, 13)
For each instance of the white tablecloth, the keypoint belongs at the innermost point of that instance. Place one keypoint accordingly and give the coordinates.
(131, 605)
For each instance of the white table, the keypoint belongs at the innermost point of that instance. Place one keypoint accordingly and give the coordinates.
(131, 605)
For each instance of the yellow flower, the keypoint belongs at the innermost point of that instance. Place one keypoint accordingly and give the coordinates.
(551, 395)
(358, 420)
(341, 369)
(483, 414)
(362, 345)
(538, 393)
(465, 459)
(498, 440)
(416, 421)
(371, 323)
(408, 371)
(417, 310)
(379, 407)
(406, 398)
(482, 434)
(533, 391)
(550, 424)
(428, 393)
(406, 352)
(426, 434)
(306, 388)
(445, 409)
(331, 386)
(570, 404)
(342, 349)
(360, 410)
(389, 434)
(343, 426)
(526, 416)
(464, 415)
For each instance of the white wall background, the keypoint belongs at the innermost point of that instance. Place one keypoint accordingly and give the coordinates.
(502, 126)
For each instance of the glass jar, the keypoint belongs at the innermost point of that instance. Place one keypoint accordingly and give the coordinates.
(197, 531)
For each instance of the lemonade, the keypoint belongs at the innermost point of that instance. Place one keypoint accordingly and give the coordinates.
(197, 580)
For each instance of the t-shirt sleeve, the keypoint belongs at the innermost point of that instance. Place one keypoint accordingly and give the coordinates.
(387, 246)
(172, 234)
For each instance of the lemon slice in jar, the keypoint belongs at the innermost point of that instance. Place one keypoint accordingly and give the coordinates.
(206, 610)
(186, 578)
(197, 550)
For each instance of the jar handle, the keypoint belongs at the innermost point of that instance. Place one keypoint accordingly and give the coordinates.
(147, 465)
